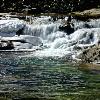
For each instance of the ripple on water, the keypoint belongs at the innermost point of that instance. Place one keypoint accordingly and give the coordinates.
(47, 78)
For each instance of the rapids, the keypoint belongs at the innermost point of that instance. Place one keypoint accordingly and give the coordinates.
(55, 42)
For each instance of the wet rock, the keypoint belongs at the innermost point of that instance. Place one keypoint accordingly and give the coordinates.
(6, 45)
(20, 31)
(91, 54)
(67, 29)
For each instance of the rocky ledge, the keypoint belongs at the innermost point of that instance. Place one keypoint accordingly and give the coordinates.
(86, 14)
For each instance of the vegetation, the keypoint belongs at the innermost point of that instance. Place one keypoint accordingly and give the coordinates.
(46, 6)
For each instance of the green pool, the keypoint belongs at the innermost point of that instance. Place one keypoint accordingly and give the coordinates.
(33, 78)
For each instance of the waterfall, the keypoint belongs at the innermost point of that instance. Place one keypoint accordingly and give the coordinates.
(9, 27)
(56, 42)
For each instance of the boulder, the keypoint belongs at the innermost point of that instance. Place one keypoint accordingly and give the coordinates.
(91, 54)
(67, 29)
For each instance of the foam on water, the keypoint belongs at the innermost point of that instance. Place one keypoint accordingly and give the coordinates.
(9, 27)
(55, 42)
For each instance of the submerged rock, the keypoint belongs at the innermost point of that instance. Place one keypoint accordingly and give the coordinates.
(90, 66)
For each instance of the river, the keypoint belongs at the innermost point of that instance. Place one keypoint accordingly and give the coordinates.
(48, 73)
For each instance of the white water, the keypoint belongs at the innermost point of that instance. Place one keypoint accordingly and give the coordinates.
(55, 42)
(10, 27)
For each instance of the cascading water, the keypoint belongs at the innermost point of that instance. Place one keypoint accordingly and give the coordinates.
(56, 42)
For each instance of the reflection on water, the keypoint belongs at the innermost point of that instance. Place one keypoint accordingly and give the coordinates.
(45, 78)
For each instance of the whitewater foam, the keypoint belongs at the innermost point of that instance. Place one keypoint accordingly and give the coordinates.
(55, 42)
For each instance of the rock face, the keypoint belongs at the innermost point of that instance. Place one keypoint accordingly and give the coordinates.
(92, 54)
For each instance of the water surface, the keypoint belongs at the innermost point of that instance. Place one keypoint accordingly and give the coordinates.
(45, 79)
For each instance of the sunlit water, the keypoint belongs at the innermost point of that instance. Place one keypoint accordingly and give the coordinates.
(46, 79)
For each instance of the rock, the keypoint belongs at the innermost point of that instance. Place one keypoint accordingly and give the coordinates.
(67, 29)
(91, 54)
(6, 45)
(86, 14)
(20, 31)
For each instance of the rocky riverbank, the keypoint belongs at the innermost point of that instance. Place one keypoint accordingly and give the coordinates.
(91, 54)
(90, 58)
(79, 15)
(87, 14)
